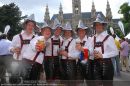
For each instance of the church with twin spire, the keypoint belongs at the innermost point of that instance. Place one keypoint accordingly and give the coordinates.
(76, 15)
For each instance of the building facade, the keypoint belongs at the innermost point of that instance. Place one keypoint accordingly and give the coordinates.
(76, 15)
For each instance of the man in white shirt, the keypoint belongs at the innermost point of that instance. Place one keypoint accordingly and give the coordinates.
(34, 55)
(53, 58)
(83, 40)
(102, 48)
(69, 54)
(21, 41)
(19, 45)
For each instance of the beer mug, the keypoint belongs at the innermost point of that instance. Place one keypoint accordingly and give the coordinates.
(41, 44)
(78, 45)
(16, 56)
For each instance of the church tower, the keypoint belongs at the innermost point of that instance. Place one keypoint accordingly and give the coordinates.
(60, 16)
(108, 12)
(76, 16)
(93, 11)
(47, 16)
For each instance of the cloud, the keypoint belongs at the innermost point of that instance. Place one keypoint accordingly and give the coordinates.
(1, 4)
(67, 6)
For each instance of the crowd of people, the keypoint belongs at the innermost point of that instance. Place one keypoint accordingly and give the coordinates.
(56, 55)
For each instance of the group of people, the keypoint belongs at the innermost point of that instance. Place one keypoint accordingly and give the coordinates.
(121, 61)
(62, 56)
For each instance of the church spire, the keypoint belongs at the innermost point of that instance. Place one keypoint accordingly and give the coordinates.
(76, 10)
(47, 16)
(60, 17)
(93, 10)
(108, 12)
(60, 8)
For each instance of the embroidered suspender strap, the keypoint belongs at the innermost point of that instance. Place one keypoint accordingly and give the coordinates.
(105, 38)
(55, 42)
(100, 44)
(59, 42)
(84, 43)
(36, 56)
(94, 41)
(62, 43)
(52, 47)
(21, 39)
(103, 43)
(24, 41)
(44, 53)
(66, 48)
(33, 36)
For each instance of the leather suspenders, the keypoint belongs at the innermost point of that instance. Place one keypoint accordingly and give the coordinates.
(83, 43)
(35, 57)
(66, 47)
(100, 44)
(54, 42)
(27, 41)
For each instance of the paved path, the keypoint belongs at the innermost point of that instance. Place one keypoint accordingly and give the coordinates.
(123, 80)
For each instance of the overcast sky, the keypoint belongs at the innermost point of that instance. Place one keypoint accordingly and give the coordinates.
(38, 6)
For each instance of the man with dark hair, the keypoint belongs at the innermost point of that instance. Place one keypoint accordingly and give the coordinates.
(34, 55)
(83, 41)
(5, 57)
(69, 55)
(19, 45)
(53, 54)
(102, 48)
(21, 41)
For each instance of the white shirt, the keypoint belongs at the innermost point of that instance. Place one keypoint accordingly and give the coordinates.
(4, 46)
(55, 47)
(72, 52)
(110, 49)
(16, 42)
(30, 52)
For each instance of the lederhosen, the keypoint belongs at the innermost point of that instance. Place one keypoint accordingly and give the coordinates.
(103, 68)
(52, 64)
(82, 69)
(32, 68)
(68, 67)
(16, 74)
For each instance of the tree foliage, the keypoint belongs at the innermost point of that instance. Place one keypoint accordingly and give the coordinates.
(10, 15)
(125, 10)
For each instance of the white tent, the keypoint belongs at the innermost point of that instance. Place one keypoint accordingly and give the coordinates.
(128, 36)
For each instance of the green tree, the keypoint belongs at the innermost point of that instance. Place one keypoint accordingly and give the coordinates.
(10, 15)
(125, 10)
